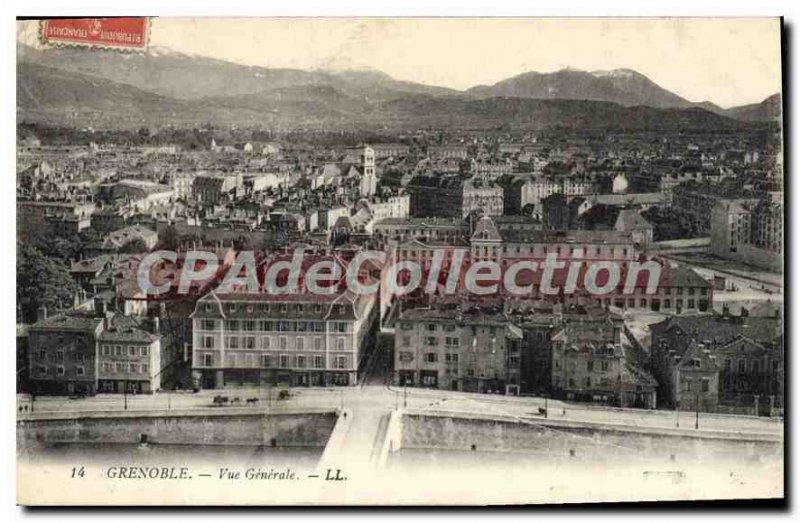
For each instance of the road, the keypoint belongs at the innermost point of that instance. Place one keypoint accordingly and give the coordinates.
(370, 403)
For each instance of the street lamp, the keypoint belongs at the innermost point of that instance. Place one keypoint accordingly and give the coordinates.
(697, 411)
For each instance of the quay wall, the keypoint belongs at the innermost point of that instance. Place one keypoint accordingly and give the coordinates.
(283, 429)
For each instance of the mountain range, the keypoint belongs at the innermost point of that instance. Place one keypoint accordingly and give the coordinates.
(161, 87)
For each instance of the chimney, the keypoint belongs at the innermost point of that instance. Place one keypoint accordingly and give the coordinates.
(41, 313)
(156, 325)
(99, 307)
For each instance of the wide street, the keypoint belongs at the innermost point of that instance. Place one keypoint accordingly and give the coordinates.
(378, 400)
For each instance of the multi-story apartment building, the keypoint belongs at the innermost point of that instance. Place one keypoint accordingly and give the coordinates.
(718, 362)
(128, 357)
(447, 152)
(514, 348)
(247, 339)
(94, 351)
(455, 349)
(482, 196)
(454, 197)
(748, 230)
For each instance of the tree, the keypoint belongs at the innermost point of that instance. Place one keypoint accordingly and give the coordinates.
(135, 246)
(42, 281)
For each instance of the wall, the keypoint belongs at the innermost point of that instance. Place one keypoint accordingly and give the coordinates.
(288, 429)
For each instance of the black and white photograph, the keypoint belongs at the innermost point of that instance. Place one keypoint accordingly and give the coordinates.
(400, 261)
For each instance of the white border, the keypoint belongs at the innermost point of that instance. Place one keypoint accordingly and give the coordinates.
(558, 8)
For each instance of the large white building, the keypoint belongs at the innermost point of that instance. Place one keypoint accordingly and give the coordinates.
(245, 339)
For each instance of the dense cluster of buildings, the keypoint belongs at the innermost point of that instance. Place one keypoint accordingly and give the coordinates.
(428, 198)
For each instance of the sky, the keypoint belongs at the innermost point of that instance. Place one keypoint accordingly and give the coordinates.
(729, 61)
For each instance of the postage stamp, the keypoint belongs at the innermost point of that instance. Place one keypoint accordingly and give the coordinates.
(105, 33)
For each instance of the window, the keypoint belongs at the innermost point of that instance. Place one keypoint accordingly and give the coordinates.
(301, 361)
(233, 342)
(208, 324)
(41, 355)
(59, 355)
(449, 328)
(704, 385)
(319, 361)
(284, 361)
(134, 368)
(232, 325)
(106, 349)
(589, 366)
(119, 350)
(406, 326)
(208, 359)
(431, 327)
(208, 341)
(340, 344)
(250, 342)
(108, 367)
(249, 325)
(431, 341)
(265, 343)
(406, 356)
(145, 368)
(283, 342)
(727, 365)
(341, 363)
(144, 351)
(742, 365)
(431, 357)
(132, 351)
(266, 361)
(604, 366)
(755, 366)
(80, 371)
(318, 343)
(121, 367)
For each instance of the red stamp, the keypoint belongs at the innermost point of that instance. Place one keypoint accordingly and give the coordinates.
(112, 33)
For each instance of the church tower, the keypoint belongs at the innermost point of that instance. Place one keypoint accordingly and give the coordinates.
(369, 181)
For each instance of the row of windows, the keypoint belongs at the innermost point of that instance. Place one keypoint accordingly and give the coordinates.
(59, 370)
(252, 325)
(276, 361)
(129, 350)
(280, 307)
(58, 356)
(269, 343)
(125, 367)
(430, 357)
(755, 365)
